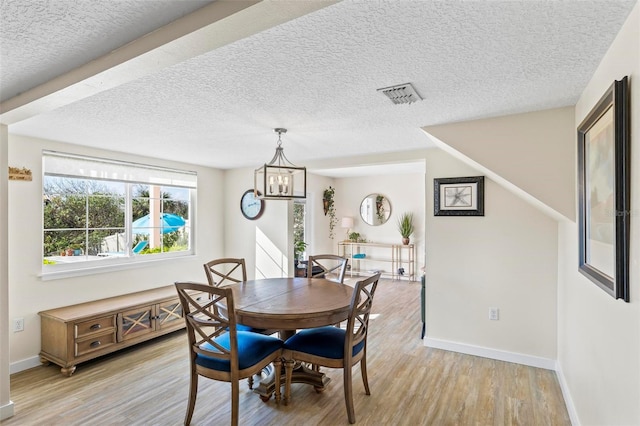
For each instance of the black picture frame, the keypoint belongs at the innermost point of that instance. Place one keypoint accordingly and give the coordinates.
(604, 163)
(458, 196)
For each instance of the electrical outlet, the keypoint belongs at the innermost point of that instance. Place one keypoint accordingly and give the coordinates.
(494, 314)
(18, 324)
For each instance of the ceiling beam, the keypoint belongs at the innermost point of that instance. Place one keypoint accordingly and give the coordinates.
(211, 27)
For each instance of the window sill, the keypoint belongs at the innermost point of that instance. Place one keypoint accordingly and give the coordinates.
(86, 268)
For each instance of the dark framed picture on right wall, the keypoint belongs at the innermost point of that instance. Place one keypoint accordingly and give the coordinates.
(458, 196)
(604, 192)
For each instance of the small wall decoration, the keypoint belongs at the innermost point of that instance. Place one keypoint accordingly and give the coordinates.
(327, 199)
(330, 209)
(16, 173)
(460, 196)
(604, 192)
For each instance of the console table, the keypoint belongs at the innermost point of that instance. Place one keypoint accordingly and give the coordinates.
(78, 333)
(386, 258)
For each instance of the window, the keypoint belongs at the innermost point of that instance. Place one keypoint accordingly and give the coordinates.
(99, 212)
(299, 222)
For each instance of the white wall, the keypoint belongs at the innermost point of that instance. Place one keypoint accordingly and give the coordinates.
(319, 223)
(264, 242)
(405, 193)
(530, 150)
(6, 406)
(28, 294)
(506, 259)
(267, 243)
(599, 337)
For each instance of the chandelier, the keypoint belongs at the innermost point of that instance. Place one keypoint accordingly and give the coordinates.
(280, 179)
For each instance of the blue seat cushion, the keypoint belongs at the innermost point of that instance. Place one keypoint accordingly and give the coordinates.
(252, 348)
(327, 342)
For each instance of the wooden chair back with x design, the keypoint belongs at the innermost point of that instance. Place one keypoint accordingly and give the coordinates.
(225, 271)
(221, 272)
(329, 266)
(217, 350)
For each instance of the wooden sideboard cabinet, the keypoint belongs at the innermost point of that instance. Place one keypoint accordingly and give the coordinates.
(78, 333)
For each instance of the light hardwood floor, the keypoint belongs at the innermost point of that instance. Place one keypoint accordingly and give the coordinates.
(410, 385)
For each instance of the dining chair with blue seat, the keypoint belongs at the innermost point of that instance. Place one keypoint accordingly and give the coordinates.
(335, 347)
(224, 271)
(217, 349)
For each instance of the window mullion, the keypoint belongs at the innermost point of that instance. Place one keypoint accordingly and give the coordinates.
(128, 217)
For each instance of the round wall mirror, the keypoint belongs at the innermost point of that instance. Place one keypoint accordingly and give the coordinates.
(375, 209)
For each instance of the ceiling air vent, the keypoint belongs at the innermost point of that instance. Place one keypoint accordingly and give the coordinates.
(401, 94)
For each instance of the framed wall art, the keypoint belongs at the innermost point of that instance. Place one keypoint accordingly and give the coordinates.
(460, 196)
(604, 193)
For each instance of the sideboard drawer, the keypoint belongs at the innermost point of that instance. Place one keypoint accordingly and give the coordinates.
(94, 344)
(96, 325)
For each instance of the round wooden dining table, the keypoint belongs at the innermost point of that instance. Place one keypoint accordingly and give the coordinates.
(289, 304)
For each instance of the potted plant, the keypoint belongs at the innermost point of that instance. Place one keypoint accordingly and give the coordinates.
(405, 226)
(299, 247)
(354, 237)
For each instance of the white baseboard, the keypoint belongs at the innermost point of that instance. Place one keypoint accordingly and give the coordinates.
(6, 411)
(24, 364)
(568, 401)
(530, 360)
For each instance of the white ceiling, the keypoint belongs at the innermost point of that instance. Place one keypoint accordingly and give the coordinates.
(316, 75)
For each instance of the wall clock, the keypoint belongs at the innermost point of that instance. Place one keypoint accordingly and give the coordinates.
(251, 206)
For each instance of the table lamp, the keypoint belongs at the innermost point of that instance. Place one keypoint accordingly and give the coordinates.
(347, 222)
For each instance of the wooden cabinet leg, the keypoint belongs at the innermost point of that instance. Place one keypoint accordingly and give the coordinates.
(68, 371)
(44, 361)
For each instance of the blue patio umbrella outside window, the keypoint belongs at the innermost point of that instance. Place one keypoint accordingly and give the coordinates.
(168, 223)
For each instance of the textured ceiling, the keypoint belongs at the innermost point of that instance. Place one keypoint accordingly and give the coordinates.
(316, 75)
(41, 39)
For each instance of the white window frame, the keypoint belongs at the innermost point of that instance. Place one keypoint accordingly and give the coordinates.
(100, 169)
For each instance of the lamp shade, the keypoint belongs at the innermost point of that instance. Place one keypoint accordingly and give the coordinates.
(347, 222)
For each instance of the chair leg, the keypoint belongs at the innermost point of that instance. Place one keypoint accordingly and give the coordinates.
(277, 364)
(288, 370)
(348, 394)
(193, 392)
(250, 382)
(235, 398)
(363, 372)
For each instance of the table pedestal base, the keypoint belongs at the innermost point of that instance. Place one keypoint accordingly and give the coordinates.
(301, 374)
